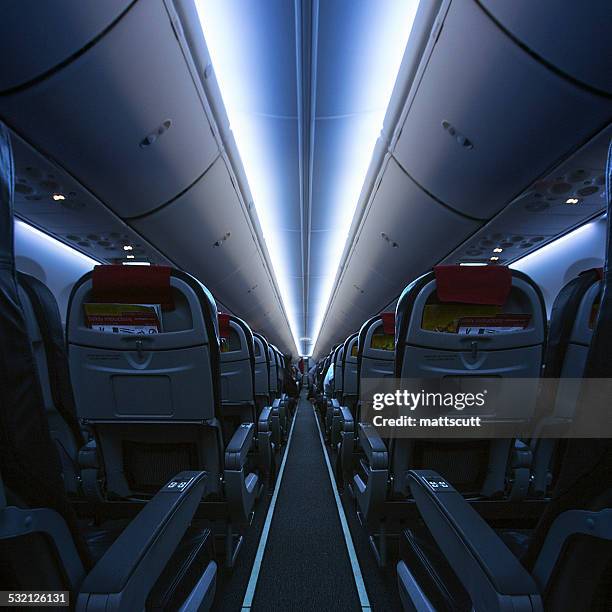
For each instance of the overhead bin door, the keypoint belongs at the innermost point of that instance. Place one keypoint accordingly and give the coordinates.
(204, 230)
(124, 117)
(405, 233)
(574, 37)
(488, 118)
(42, 35)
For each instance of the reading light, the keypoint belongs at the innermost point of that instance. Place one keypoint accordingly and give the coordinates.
(130, 256)
(127, 247)
(494, 258)
(571, 201)
(497, 250)
(58, 197)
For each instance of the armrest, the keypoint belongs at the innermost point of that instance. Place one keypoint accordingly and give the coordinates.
(239, 446)
(123, 577)
(265, 418)
(347, 416)
(89, 471)
(88, 455)
(490, 573)
(522, 455)
(373, 446)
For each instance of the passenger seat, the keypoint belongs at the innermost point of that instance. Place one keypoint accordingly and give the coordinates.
(566, 562)
(154, 401)
(238, 401)
(46, 333)
(493, 295)
(42, 545)
(572, 320)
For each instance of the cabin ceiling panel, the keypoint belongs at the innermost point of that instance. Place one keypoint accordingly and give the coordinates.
(320, 265)
(572, 36)
(272, 142)
(124, 117)
(336, 157)
(488, 118)
(42, 36)
(259, 71)
(350, 36)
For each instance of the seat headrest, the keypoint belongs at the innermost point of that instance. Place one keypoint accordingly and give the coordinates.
(473, 284)
(224, 325)
(388, 321)
(7, 257)
(133, 285)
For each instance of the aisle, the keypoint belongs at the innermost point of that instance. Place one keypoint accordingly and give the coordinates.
(305, 564)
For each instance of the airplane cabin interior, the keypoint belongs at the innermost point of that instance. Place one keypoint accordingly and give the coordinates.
(306, 305)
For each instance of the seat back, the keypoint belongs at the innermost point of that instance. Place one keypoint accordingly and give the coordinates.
(30, 468)
(46, 333)
(460, 321)
(574, 523)
(376, 348)
(280, 369)
(338, 372)
(330, 371)
(274, 386)
(262, 371)
(237, 370)
(349, 371)
(572, 321)
(459, 332)
(152, 399)
(328, 379)
(375, 352)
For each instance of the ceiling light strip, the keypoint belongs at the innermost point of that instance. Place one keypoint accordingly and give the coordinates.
(221, 43)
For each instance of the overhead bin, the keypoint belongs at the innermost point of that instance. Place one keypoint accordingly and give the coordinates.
(124, 117)
(406, 231)
(248, 289)
(401, 237)
(45, 34)
(574, 37)
(204, 230)
(488, 118)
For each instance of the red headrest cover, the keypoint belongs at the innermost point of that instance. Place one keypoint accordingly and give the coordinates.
(133, 285)
(224, 325)
(388, 321)
(473, 284)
